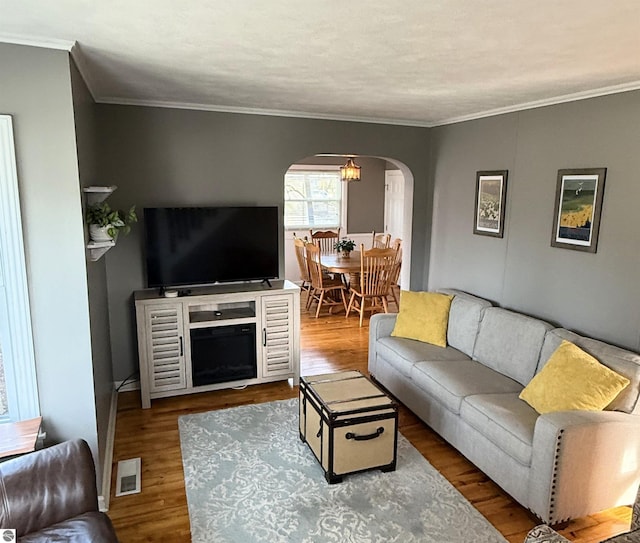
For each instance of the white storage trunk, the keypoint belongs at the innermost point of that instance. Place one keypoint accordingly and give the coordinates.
(349, 423)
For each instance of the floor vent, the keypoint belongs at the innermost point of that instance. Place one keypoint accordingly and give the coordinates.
(128, 477)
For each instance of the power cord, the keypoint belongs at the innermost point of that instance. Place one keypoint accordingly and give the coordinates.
(127, 380)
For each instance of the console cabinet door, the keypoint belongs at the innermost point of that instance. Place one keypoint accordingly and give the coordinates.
(277, 335)
(165, 347)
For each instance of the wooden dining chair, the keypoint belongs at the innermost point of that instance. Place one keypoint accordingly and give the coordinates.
(394, 283)
(325, 239)
(324, 289)
(301, 256)
(380, 241)
(376, 267)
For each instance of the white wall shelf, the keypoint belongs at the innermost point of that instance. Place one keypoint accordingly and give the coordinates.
(98, 248)
(95, 195)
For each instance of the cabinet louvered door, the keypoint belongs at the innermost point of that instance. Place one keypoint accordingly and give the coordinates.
(165, 347)
(277, 335)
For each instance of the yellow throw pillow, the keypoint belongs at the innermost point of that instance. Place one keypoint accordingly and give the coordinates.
(423, 316)
(573, 379)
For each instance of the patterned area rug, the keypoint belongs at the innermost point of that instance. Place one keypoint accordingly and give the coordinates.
(249, 479)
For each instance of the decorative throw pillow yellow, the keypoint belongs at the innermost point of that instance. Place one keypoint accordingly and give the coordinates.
(573, 379)
(423, 316)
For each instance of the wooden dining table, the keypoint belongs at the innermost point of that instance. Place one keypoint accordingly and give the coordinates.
(336, 263)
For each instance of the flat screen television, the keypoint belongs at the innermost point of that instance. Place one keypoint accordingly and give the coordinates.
(205, 245)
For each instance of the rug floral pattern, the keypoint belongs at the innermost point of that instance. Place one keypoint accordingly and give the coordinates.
(249, 479)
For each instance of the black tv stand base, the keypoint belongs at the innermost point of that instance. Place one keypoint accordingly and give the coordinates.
(267, 282)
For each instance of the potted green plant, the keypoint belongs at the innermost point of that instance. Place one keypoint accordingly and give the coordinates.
(105, 223)
(345, 246)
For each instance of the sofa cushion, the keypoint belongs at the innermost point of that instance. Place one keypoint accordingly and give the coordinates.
(623, 362)
(573, 379)
(423, 316)
(403, 353)
(451, 381)
(503, 419)
(510, 343)
(464, 319)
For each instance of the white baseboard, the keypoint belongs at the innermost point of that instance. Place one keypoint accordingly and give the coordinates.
(102, 504)
(131, 385)
(103, 499)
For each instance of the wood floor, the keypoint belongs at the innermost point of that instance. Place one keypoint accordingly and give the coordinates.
(329, 343)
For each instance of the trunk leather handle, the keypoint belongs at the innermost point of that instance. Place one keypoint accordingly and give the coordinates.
(378, 432)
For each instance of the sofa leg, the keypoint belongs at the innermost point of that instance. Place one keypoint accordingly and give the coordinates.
(537, 520)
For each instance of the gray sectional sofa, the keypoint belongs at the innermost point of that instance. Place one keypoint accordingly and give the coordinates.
(560, 465)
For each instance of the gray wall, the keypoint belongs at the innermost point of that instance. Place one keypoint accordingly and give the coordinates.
(36, 91)
(168, 157)
(596, 294)
(87, 149)
(365, 200)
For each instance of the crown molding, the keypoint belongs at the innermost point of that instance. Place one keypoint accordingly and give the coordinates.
(84, 68)
(562, 99)
(573, 97)
(259, 111)
(47, 43)
(60, 45)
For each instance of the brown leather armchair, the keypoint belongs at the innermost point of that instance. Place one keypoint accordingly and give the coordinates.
(50, 495)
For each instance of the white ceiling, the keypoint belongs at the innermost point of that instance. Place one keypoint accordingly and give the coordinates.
(420, 62)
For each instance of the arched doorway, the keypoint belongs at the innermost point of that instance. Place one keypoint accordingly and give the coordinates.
(363, 206)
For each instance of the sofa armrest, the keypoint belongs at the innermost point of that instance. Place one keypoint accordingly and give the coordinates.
(582, 462)
(544, 534)
(380, 325)
(46, 487)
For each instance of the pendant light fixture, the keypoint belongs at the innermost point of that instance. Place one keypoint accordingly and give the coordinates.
(350, 171)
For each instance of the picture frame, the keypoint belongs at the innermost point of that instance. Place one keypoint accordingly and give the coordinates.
(491, 198)
(578, 206)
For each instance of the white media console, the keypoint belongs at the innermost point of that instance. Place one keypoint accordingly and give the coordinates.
(217, 337)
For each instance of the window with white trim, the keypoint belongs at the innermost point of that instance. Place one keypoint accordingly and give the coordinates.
(314, 198)
(18, 387)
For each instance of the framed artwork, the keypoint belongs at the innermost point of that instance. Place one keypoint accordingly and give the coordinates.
(491, 196)
(576, 219)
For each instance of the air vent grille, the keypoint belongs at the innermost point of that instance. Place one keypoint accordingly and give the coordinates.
(128, 479)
